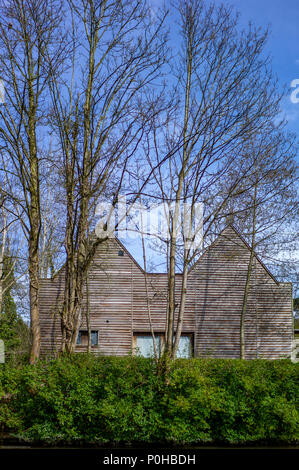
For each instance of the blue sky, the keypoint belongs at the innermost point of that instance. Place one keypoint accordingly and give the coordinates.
(282, 18)
(283, 45)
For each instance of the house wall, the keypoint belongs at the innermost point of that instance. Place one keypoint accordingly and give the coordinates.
(118, 307)
(220, 277)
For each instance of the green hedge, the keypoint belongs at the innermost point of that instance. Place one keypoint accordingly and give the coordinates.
(108, 399)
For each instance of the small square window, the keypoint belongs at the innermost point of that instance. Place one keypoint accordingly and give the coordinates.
(82, 339)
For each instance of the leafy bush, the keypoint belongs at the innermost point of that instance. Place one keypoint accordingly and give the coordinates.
(108, 399)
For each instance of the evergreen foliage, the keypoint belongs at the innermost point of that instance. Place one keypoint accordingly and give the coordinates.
(83, 398)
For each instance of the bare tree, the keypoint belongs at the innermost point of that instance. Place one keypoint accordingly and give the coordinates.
(100, 111)
(52, 217)
(225, 90)
(28, 33)
(265, 203)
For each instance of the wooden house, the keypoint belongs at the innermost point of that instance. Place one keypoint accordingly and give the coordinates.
(118, 313)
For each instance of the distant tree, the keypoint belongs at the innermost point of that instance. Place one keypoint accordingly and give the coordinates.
(13, 330)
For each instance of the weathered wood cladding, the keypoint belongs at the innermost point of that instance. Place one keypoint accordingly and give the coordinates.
(118, 307)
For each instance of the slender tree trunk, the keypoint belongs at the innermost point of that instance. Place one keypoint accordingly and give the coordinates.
(171, 296)
(181, 310)
(33, 266)
(88, 314)
(148, 304)
(34, 306)
(174, 228)
(248, 280)
(2, 251)
(34, 236)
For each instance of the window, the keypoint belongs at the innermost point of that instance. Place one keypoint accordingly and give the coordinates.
(144, 345)
(185, 346)
(82, 339)
(94, 338)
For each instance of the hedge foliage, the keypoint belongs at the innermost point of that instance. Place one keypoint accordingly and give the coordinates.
(109, 399)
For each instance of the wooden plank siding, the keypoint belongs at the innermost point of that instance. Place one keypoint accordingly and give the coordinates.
(118, 306)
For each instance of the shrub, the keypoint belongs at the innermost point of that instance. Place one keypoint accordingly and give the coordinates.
(108, 399)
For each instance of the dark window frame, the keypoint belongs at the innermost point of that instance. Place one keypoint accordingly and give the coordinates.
(85, 332)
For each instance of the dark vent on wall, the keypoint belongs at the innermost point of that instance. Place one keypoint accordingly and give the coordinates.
(120, 253)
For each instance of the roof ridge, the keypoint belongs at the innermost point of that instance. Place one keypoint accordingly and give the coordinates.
(230, 225)
(193, 266)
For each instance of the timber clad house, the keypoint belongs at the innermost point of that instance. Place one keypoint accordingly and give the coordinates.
(118, 313)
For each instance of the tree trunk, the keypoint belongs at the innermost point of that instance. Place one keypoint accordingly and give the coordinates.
(148, 302)
(33, 266)
(88, 314)
(34, 236)
(2, 251)
(181, 176)
(34, 308)
(181, 311)
(248, 280)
